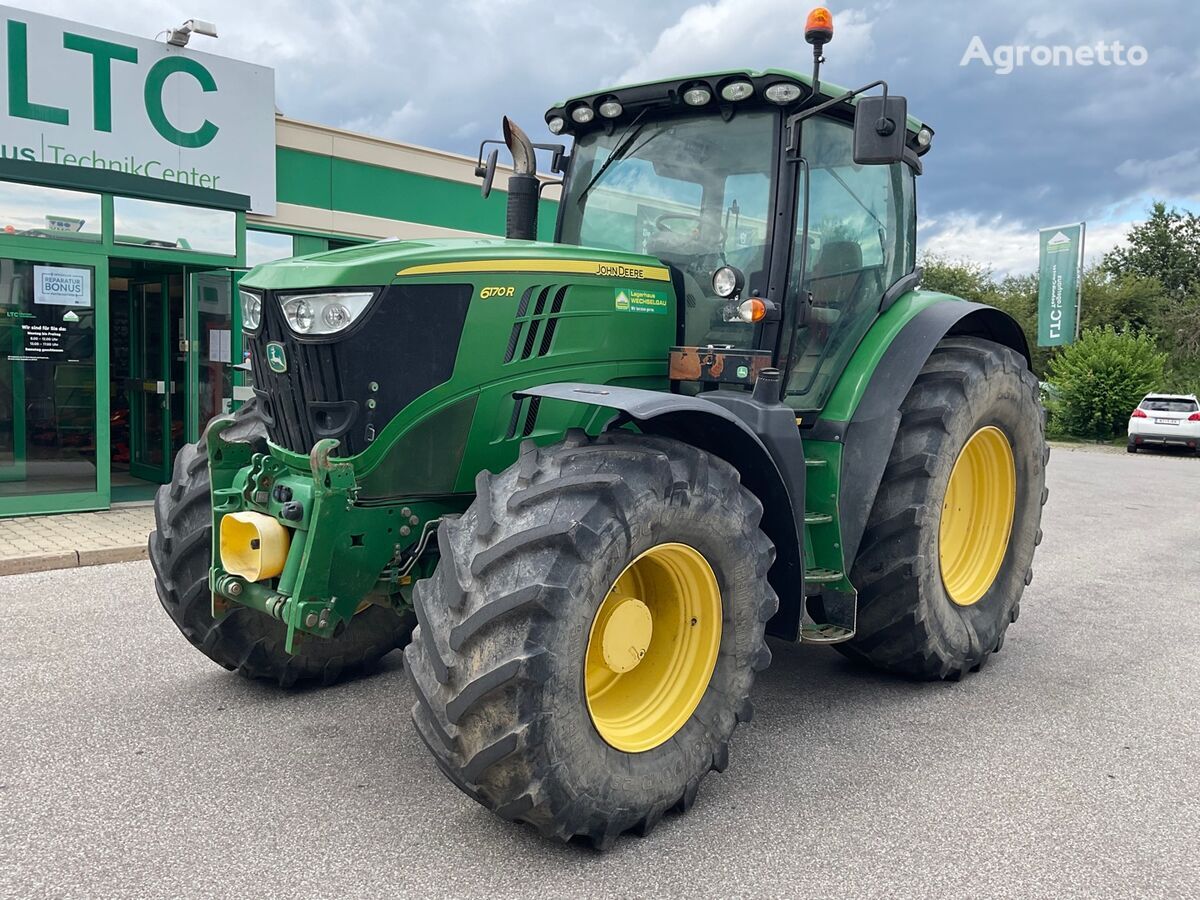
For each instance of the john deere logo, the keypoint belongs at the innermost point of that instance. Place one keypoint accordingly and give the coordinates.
(276, 357)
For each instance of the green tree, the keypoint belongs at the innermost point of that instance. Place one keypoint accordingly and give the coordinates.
(1166, 246)
(959, 278)
(1101, 378)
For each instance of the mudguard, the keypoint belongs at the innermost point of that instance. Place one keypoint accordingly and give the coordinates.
(868, 435)
(771, 466)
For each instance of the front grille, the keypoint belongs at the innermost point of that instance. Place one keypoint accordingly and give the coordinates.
(406, 345)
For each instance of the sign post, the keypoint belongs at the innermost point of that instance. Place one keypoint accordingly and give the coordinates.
(1060, 284)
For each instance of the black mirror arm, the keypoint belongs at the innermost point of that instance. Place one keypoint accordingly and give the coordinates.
(797, 118)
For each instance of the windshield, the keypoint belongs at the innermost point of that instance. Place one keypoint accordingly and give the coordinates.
(693, 192)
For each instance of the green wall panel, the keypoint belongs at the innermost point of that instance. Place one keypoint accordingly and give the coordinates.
(303, 178)
(310, 179)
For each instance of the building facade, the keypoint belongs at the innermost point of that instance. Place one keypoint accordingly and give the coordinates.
(122, 244)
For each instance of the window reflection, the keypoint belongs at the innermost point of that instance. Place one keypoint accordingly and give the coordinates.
(264, 246)
(47, 378)
(149, 223)
(34, 211)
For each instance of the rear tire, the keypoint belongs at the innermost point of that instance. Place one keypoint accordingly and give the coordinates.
(907, 621)
(1131, 447)
(246, 640)
(498, 659)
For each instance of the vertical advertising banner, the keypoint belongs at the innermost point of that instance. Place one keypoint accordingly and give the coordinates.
(1059, 263)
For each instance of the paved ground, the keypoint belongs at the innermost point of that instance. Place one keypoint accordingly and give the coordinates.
(39, 543)
(1069, 767)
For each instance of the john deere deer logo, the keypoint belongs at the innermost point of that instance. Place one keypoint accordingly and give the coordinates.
(276, 357)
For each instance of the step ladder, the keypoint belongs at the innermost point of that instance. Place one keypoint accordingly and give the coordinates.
(836, 607)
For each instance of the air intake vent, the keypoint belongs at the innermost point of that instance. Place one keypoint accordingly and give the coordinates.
(524, 417)
(533, 332)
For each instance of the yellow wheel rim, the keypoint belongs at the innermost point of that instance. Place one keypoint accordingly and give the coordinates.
(652, 647)
(977, 515)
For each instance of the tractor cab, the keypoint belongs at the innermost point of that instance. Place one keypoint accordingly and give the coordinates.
(709, 173)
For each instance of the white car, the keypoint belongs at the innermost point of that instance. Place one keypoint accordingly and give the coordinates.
(1162, 419)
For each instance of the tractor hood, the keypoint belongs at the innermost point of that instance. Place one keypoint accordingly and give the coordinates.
(384, 262)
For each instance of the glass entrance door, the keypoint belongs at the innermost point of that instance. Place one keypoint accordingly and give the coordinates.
(149, 382)
(214, 341)
(51, 413)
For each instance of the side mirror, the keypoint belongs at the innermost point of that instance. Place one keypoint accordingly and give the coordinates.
(880, 127)
(488, 173)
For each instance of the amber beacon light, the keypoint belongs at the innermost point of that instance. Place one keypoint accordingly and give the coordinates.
(818, 29)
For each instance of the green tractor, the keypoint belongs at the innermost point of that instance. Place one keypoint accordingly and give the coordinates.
(582, 481)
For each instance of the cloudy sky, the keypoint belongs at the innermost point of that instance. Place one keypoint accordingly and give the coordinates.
(1039, 146)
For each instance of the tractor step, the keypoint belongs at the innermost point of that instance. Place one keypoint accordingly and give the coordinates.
(812, 518)
(822, 576)
(815, 633)
(815, 463)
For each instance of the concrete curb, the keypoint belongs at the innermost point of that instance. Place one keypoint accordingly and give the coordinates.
(71, 559)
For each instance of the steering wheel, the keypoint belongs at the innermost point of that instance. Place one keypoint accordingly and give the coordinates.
(658, 223)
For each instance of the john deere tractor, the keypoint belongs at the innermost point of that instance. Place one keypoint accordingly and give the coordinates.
(582, 480)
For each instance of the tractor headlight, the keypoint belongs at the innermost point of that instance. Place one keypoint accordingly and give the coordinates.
(783, 92)
(323, 313)
(737, 90)
(727, 281)
(251, 310)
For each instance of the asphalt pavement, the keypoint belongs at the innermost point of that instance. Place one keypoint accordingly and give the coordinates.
(1070, 766)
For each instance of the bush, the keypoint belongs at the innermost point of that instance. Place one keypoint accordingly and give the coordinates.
(1101, 378)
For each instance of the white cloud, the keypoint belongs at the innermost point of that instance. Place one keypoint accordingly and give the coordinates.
(1004, 246)
(745, 33)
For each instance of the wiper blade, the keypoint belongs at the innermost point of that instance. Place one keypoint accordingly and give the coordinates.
(622, 148)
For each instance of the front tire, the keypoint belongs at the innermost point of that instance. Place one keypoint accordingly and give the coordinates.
(245, 640)
(948, 548)
(512, 692)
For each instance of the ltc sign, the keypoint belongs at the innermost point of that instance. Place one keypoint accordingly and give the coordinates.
(74, 95)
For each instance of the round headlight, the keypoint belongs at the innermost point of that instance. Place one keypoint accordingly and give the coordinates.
(737, 90)
(782, 92)
(556, 125)
(251, 311)
(727, 281)
(582, 114)
(697, 95)
(924, 138)
(300, 314)
(610, 109)
(336, 316)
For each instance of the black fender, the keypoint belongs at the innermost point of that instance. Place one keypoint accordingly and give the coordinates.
(868, 436)
(760, 440)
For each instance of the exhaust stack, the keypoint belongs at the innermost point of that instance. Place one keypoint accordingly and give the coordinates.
(523, 185)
